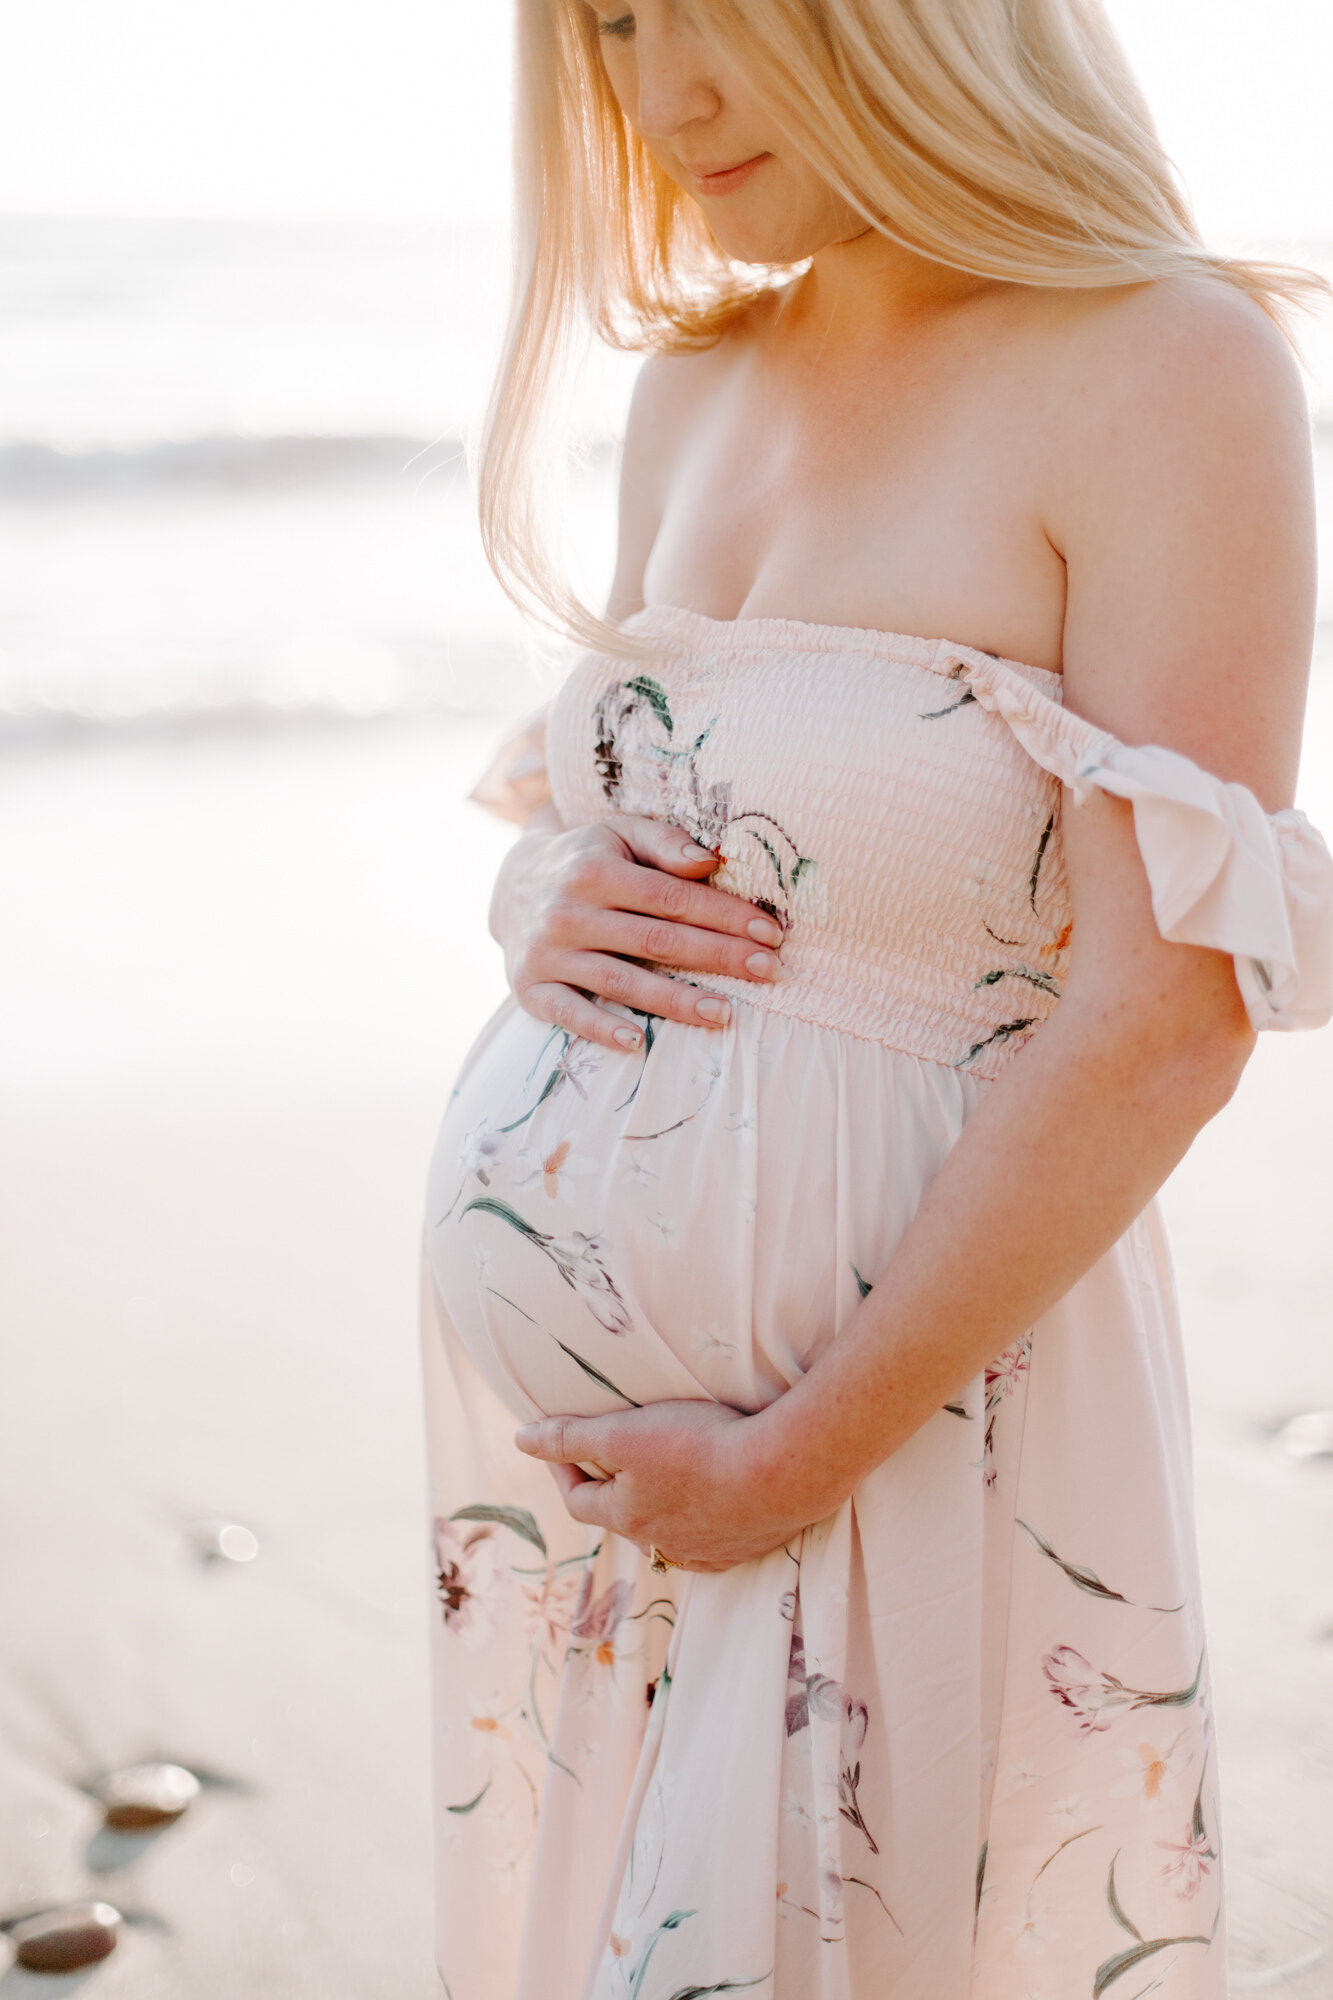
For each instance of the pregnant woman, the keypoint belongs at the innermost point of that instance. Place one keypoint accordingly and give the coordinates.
(909, 861)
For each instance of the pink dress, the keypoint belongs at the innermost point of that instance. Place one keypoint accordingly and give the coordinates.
(954, 1742)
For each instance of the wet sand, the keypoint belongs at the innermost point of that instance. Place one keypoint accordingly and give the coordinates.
(239, 973)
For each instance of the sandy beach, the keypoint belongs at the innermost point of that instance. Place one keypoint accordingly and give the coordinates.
(240, 969)
(240, 972)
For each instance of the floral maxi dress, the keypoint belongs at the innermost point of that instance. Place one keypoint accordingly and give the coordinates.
(953, 1742)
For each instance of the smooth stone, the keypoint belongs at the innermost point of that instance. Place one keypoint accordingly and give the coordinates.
(63, 1940)
(225, 1541)
(1309, 1435)
(147, 1795)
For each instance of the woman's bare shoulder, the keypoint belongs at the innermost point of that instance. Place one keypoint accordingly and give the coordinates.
(673, 394)
(1143, 367)
(673, 387)
(1180, 495)
(669, 390)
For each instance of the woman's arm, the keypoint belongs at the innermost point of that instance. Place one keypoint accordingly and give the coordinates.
(1184, 515)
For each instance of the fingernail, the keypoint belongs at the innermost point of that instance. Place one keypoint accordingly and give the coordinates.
(761, 964)
(764, 931)
(525, 1437)
(714, 1010)
(627, 1037)
(690, 850)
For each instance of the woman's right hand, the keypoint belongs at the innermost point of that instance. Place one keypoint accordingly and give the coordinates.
(575, 911)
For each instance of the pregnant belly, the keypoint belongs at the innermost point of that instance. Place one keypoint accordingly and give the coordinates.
(608, 1229)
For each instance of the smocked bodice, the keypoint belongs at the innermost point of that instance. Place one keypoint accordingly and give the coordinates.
(896, 803)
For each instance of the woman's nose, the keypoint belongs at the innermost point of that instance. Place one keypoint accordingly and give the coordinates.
(674, 84)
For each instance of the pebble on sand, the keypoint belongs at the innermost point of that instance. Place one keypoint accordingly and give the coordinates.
(224, 1541)
(147, 1795)
(1308, 1436)
(65, 1939)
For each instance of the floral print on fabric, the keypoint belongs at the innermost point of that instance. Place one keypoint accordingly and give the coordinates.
(954, 1743)
(1017, 902)
(495, 1571)
(646, 767)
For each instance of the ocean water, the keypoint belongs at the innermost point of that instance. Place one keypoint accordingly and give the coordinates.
(233, 479)
(232, 473)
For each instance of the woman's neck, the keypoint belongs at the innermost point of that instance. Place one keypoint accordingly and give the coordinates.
(868, 284)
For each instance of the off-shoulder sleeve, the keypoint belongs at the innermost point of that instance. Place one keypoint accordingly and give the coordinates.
(516, 783)
(1222, 871)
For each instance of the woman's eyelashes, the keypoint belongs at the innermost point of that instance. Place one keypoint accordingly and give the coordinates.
(622, 27)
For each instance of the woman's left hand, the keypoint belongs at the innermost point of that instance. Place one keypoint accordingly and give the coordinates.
(689, 1478)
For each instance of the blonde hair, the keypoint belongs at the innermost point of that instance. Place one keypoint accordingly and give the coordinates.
(1005, 138)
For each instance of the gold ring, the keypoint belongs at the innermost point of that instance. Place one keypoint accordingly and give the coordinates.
(659, 1562)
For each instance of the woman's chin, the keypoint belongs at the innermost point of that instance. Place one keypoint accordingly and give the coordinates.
(754, 242)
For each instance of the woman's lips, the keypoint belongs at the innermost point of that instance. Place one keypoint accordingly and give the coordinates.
(721, 180)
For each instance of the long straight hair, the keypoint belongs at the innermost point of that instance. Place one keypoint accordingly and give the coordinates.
(1005, 138)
